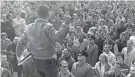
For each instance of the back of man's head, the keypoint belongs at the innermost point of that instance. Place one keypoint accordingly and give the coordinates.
(43, 11)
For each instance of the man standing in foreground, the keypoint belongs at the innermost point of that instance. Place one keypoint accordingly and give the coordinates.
(41, 36)
(81, 68)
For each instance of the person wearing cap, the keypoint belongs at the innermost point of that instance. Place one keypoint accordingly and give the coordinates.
(103, 67)
(79, 44)
(81, 68)
(92, 50)
(42, 38)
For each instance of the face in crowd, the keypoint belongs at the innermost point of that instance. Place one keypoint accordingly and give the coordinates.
(129, 43)
(106, 48)
(122, 36)
(97, 35)
(3, 59)
(81, 58)
(69, 40)
(80, 37)
(63, 66)
(66, 53)
(91, 41)
(3, 36)
(103, 58)
(119, 59)
(75, 17)
(4, 17)
(15, 40)
(58, 47)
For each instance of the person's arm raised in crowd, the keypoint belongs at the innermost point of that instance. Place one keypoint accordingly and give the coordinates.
(53, 34)
(62, 57)
(113, 61)
(21, 46)
(115, 49)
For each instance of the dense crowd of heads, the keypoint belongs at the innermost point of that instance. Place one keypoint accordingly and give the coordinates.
(105, 27)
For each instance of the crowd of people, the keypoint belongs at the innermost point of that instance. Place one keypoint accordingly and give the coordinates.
(68, 39)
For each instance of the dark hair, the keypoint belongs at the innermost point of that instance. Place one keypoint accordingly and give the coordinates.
(83, 52)
(23, 15)
(10, 11)
(130, 26)
(42, 10)
(108, 42)
(80, 15)
(92, 37)
(119, 54)
(7, 16)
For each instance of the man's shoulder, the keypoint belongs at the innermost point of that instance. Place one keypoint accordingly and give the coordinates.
(124, 49)
(29, 26)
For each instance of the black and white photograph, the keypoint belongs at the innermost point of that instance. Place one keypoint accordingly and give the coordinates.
(67, 38)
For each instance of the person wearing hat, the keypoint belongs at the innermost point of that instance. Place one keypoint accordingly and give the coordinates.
(81, 68)
(42, 38)
(79, 44)
(92, 50)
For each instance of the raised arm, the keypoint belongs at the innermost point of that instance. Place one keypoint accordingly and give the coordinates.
(53, 34)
